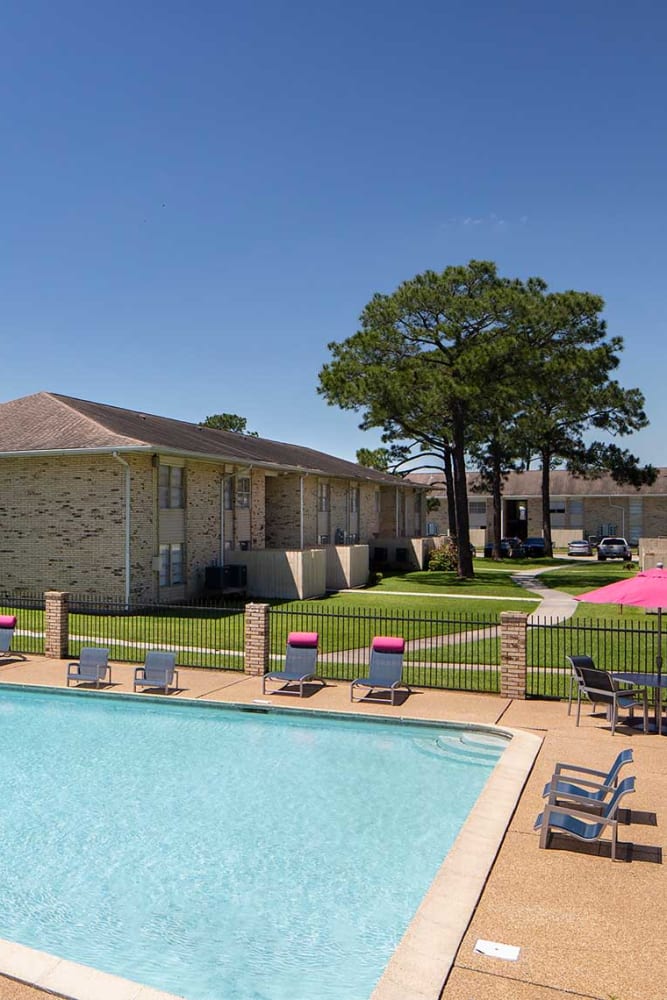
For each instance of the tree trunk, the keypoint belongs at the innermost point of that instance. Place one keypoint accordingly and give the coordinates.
(451, 500)
(465, 569)
(497, 500)
(546, 502)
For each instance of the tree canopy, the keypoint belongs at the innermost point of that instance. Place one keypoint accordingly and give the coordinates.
(467, 363)
(228, 422)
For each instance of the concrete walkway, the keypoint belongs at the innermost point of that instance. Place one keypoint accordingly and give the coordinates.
(555, 604)
(569, 909)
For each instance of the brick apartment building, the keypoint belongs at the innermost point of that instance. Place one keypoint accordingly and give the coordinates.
(125, 504)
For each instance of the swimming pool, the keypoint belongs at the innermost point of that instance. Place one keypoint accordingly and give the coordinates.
(218, 852)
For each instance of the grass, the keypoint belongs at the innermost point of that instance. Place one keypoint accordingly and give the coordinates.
(347, 622)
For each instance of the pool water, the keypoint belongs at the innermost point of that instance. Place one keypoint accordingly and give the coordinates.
(220, 853)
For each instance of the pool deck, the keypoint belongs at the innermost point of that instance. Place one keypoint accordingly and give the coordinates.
(569, 909)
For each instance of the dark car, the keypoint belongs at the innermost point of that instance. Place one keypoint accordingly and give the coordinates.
(510, 548)
(614, 548)
(533, 547)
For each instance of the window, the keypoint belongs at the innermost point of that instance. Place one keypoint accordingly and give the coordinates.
(171, 487)
(171, 565)
(322, 497)
(354, 500)
(243, 491)
(477, 506)
(228, 493)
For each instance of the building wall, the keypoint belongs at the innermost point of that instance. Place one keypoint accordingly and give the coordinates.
(62, 524)
(282, 499)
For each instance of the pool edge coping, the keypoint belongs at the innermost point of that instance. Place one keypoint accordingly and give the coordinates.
(422, 961)
(420, 965)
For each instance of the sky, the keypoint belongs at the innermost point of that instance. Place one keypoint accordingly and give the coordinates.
(197, 198)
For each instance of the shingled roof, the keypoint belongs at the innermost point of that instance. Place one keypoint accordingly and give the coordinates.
(522, 485)
(47, 422)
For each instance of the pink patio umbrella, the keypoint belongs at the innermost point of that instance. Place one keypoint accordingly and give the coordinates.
(647, 589)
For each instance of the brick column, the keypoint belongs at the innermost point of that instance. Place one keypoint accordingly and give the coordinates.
(56, 639)
(256, 639)
(513, 631)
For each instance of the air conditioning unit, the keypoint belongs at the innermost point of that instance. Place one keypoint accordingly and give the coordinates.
(322, 539)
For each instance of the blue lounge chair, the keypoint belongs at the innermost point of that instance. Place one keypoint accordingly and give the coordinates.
(300, 664)
(385, 668)
(595, 790)
(158, 671)
(92, 668)
(565, 818)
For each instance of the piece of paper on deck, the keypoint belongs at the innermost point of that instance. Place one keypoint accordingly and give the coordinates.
(497, 950)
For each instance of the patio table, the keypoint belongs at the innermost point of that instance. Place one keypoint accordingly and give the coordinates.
(655, 681)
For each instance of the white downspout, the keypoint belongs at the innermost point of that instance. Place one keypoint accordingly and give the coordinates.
(301, 513)
(128, 508)
(222, 519)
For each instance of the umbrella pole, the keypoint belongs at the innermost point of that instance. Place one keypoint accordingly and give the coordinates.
(658, 663)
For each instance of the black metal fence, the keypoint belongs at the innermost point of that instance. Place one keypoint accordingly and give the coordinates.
(30, 627)
(203, 635)
(454, 651)
(613, 645)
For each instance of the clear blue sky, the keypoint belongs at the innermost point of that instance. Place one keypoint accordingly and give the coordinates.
(196, 198)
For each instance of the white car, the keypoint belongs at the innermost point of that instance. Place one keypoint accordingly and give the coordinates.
(579, 547)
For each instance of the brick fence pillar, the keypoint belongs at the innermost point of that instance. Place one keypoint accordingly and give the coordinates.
(513, 631)
(256, 639)
(56, 639)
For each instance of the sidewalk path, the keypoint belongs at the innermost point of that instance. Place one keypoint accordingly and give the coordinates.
(555, 604)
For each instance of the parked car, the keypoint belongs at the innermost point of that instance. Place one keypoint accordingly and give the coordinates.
(579, 547)
(510, 548)
(533, 547)
(614, 548)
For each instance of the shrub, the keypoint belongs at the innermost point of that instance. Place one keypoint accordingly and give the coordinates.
(445, 557)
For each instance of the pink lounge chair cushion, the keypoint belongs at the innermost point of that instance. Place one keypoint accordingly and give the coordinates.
(388, 644)
(308, 639)
(7, 621)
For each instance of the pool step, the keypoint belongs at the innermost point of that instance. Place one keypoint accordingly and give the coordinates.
(465, 749)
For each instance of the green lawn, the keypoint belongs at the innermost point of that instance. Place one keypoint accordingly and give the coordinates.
(347, 622)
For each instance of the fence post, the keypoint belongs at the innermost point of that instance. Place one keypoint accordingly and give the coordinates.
(256, 661)
(513, 631)
(56, 616)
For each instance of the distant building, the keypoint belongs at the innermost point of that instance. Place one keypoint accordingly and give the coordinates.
(579, 508)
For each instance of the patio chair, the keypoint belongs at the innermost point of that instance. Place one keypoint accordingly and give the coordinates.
(300, 662)
(384, 670)
(576, 678)
(567, 818)
(7, 626)
(602, 689)
(589, 788)
(92, 668)
(158, 671)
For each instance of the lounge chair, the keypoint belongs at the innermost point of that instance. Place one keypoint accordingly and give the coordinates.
(589, 788)
(385, 668)
(602, 689)
(7, 626)
(300, 662)
(92, 668)
(566, 818)
(158, 671)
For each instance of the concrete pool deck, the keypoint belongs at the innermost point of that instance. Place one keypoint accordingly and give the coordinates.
(569, 909)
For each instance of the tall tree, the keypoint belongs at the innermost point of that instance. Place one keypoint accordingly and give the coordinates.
(571, 393)
(424, 364)
(229, 422)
